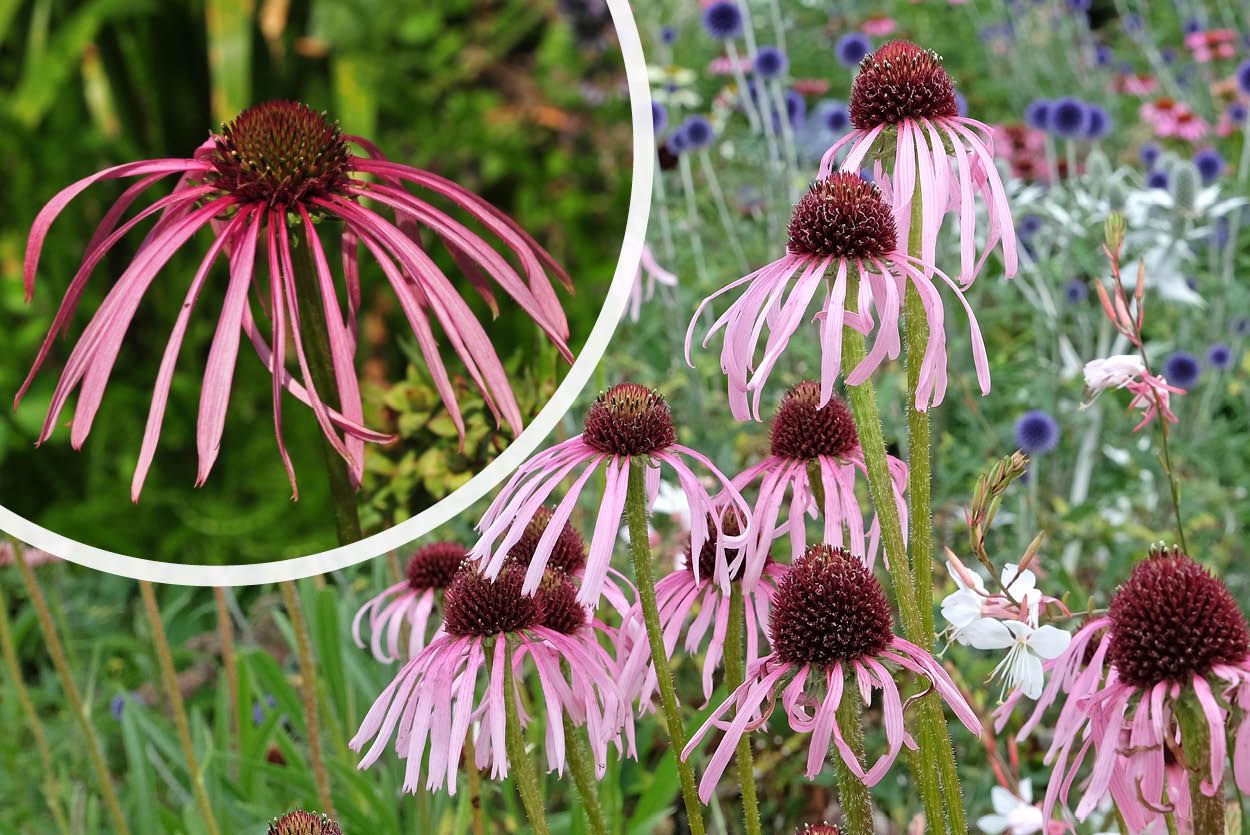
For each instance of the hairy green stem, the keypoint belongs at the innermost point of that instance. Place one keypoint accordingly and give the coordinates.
(308, 690)
(315, 335)
(523, 772)
(56, 650)
(1208, 812)
(475, 786)
(863, 401)
(173, 693)
(735, 674)
(9, 649)
(639, 543)
(583, 769)
(852, 793)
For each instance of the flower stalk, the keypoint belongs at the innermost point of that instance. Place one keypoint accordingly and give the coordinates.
(639, 543)
(77, 708)
(1208, 810)
(308, 689)
(524, 774)
(852, 793)
(225, 637)
(735, 674)
(475, 786)
(173, 693)
(583, 769)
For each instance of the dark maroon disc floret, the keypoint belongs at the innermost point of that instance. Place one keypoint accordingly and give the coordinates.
(731, 525)
(1173, 620)
(560, 609)
(803, 430)
(475, 605)
(842, 216)
(629, 419)
(304, 823)
(828, 608)
(901, 81)
(434, 566)
(569, 553)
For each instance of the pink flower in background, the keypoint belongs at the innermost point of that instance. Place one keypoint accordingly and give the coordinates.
(650, 273)
(1212, 44)
(723, 65)
(1151, 392)
(435, 700)
(807, 437)
(1190, 126)
(810, 87)
(35, 557)
(690, 593)
(830, 623)
(269, 180)
(409, 603)
(626, 421)
(1136, 84)
(842, 227)
(1173, 632)
(878, 26)
(1172, 118)
(903, 93)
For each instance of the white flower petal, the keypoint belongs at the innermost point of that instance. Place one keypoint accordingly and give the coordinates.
(1049, 641)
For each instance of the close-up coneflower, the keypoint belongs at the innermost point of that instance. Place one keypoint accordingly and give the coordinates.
(409, 604)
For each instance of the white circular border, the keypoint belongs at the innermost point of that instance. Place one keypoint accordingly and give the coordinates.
(477, 487)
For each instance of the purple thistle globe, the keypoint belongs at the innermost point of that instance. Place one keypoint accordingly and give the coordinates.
(1103, 55)
(1037, 433)
(1069, 118)
(267, 189)
(1182, 369)
(722, 20)
(852, 48)
(1209, 164)
(771, 62)
(668, 35)
(698, 132)
(1243, 77)
(832, 115)
(1098, 122)
(1157, 179)
(659, 116)
(1220, 356)
(1076, 292)
(1037, 114)
(1149, 154)
(1237, 113)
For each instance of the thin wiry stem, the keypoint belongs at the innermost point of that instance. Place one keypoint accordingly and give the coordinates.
(735, 674)
(639, 544)
(308, 689)
(225, 636)
(9, 649)
(79, 710)
(173, 693)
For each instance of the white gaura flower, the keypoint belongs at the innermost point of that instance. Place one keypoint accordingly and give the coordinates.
(1027, 647)
(1013, 814)
(1113, 372)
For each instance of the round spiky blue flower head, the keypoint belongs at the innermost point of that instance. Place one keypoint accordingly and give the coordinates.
(852, 48)
(1037, 114)
(1098, 122)
(659, 116)
(770, 62)
(723, 20)
(1103, 55)
(668, 35)
(1157, 179)
(1149, 154)
(1069, 118)
(1243, 76)
(698, 132)
(1209, 164)
(1237, 113)
(1077, 291)
(1182, 369)
(1037, 433)
(1220, 356)
(1029, 225)
(833, 115)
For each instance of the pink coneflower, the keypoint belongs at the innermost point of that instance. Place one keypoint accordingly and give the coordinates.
(723, 65)
(805, 435)
(262, 187)
(1190, 126)
(300, 822)
(1212, 45)
(688, 590)
(434, 702)
(35, 557)
(831, 623)
(624, 422)
(842, 227)
(903, 93)
(411, 602)
(1136, 84)
(810, 87)
(878, 26)
(650, 273)
(1173, 633)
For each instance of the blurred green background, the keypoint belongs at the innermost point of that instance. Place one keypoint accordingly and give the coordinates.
(521, 102)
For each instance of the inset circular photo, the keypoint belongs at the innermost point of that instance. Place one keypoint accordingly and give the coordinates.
(278, 278)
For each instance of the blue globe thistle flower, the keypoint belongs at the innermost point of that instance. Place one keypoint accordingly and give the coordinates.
(852, 48)
(1157, 179)
(832, 115)
(771, 62)
(698, 132)
(723, 20)
(677, 143)
(659, 116)
(1037, 433)
(1098, 122)
(1182, 369)
(1079, 5)
(1069, 117)
(1103, 55)
(1037, 114)
(1209, 164)
(1132, 23)
(961, 104)
(1191, 25)
(1029, 225)
(1149, 154)
(796, 108)
(1220, 356)
(1237, 113)
(1077, 291)
(1241, 326)
(668, 35)
(1243, 77)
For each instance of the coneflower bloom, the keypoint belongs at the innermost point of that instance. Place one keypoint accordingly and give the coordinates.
(262, 185)
(830, 624)
(1173, 633)
(902, 92)
(689, 593)
(841, 227)
(650, 273)
(624, 422)
(805, 434)
(300, 822)
(434, 702)
(410, 602)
